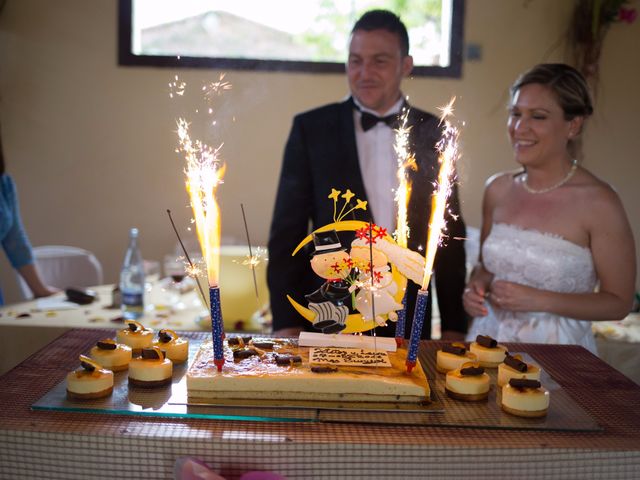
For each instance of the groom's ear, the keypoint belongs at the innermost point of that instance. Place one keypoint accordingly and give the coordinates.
(407, 65)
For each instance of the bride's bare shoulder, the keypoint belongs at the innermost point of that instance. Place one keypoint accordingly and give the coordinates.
(598, 197)
(501, 181)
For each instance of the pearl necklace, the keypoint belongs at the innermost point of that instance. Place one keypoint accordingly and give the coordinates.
(574, 167)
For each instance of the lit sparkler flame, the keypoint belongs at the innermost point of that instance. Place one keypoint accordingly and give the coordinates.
(255, 260)
(177, 87)
(215, 88)
(204, 173)
(449, 154)
(403, 192)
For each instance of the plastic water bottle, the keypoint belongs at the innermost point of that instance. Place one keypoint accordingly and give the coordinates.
(132, 279)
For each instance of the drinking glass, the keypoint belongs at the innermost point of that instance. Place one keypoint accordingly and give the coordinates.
(175, 268)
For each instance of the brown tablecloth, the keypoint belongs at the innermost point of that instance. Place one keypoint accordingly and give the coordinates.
(88, 445)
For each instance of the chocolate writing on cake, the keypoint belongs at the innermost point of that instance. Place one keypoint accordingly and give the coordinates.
(348, 356)
(324, 369)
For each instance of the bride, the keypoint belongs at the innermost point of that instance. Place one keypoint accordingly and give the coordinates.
(557, 251)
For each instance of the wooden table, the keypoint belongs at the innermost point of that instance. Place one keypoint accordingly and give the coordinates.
(38, 444)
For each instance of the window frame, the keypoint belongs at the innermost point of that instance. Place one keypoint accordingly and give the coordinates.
(127, 58)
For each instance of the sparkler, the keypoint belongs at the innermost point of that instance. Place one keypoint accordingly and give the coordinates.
(204, 173)
(448, 155)
(403, 192)
(192, 269)
(252, 263)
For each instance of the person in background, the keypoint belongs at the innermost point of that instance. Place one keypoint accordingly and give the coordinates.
(15, 242)
(349, 146)
(557, 251)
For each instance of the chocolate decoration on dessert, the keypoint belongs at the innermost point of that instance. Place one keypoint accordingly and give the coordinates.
(516, 364)
(239, 340)
(106, 344)
(152, 354)
(263, 345)
(471, 371)
(164, 336)
(486, 341)
(132, 326)
(324, 369)
(244, 353)
(87, 366)
(288, 359)
(524, 383)
(455, 348)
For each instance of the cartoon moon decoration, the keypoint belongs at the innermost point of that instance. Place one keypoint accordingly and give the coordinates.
(354, 321)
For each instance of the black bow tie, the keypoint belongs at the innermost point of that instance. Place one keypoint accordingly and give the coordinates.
(368, 120)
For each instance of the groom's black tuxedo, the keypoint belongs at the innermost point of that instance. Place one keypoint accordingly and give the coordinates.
(321, 154)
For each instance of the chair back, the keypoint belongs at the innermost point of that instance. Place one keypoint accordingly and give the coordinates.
(62, 266)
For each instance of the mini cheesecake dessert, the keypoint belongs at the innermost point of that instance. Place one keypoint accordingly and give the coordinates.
(175, 347)
(514, 367)
(89, 381)
(488, 352)
(151, 369)
(470, 383)
(525, 398)
(453, 356)
(136, 336)
(111, 355)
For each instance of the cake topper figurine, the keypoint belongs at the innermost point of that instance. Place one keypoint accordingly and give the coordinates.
(369, 281)
(331, 262)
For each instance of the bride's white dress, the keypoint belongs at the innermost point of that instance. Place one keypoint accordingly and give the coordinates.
(540, 260)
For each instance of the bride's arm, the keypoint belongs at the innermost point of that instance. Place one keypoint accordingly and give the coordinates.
(480, 279)
(613, 250)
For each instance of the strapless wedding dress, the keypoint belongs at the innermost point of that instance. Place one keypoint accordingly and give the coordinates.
(540, 260)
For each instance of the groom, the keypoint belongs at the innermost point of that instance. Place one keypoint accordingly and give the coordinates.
(349, 145)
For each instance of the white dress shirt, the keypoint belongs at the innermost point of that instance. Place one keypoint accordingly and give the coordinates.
(379, 165)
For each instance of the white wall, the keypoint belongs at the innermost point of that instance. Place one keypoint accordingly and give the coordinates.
(91, 144)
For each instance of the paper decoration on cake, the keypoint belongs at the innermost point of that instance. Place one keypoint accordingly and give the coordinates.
(369, 275)
(348, 356)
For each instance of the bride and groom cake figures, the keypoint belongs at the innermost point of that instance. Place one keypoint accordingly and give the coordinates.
(371, 277)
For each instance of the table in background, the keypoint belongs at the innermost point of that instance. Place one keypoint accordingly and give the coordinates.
(39, 444)
(619, 344)
(28, 326)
